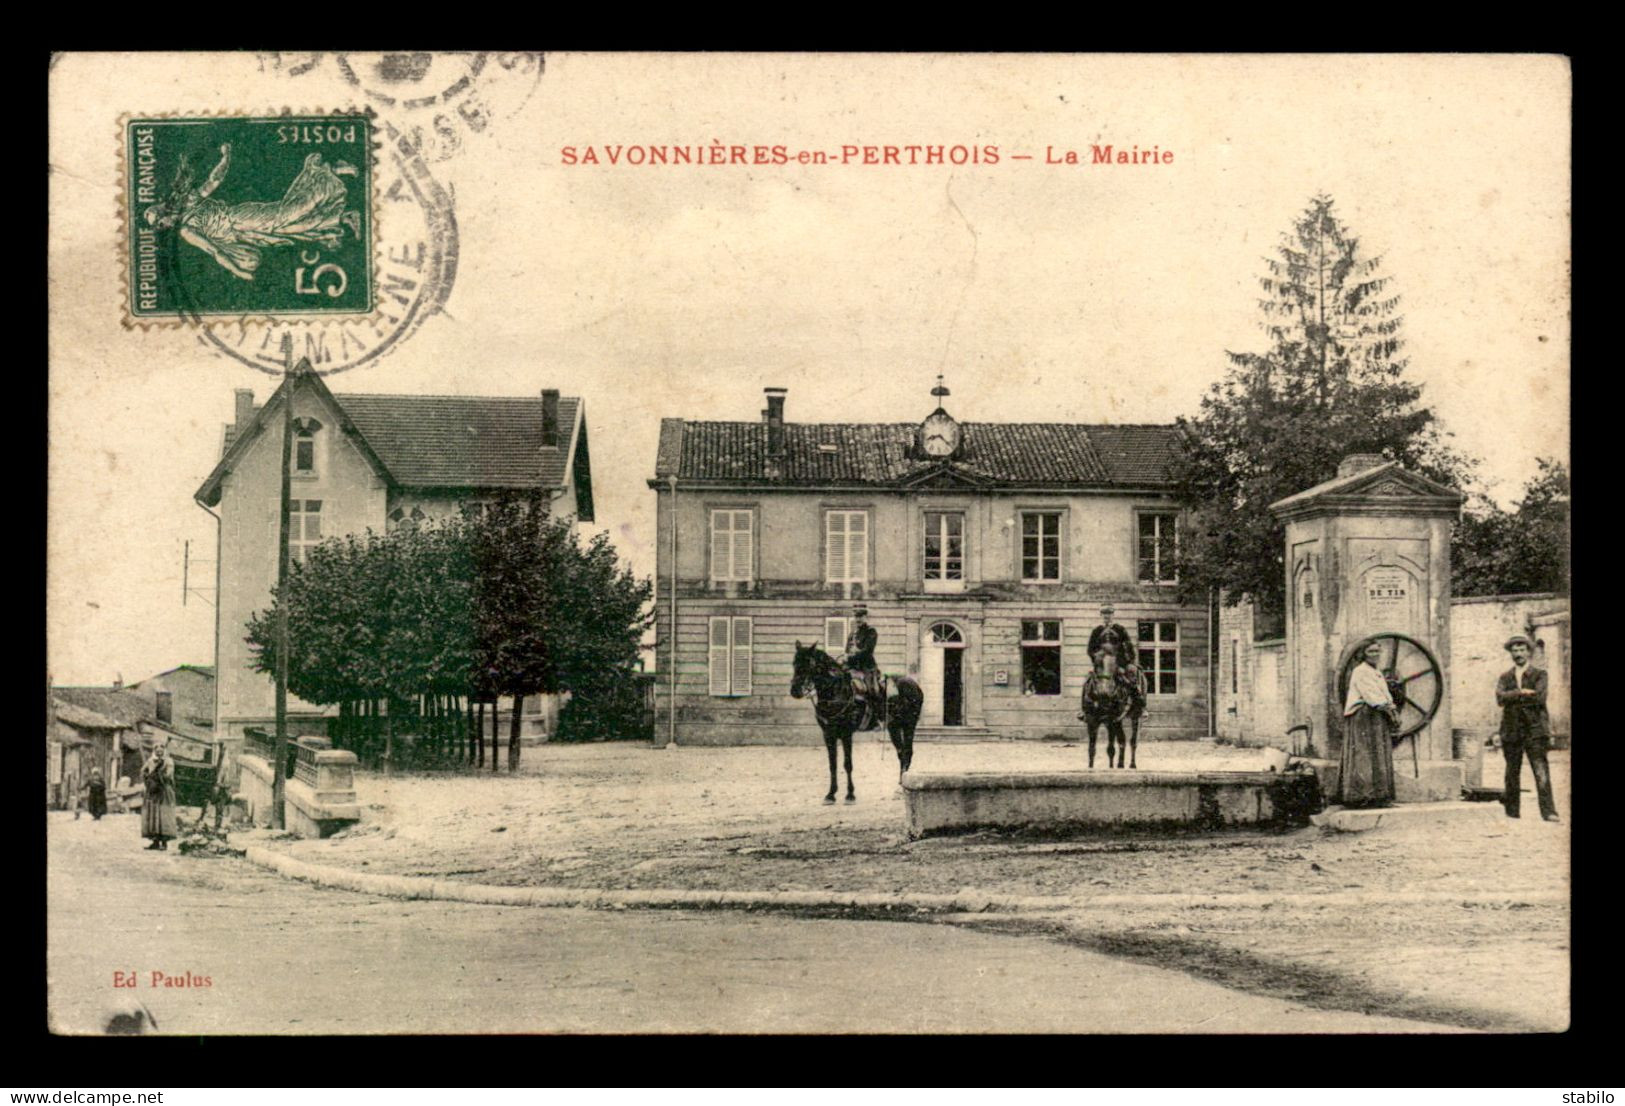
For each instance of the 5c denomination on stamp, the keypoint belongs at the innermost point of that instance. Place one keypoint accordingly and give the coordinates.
(249, 217)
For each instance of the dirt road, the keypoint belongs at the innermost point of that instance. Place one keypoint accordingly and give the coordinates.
(751, 819)
(283, 957)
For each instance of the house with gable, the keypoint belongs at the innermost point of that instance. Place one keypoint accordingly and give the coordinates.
(182, 697)
(364, 462)
(982, 550)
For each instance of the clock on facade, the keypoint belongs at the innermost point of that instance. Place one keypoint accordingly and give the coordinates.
(939, 434)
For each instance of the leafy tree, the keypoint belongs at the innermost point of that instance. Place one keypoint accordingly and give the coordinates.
(501, 602)
(1329, 383)
(1497, 552)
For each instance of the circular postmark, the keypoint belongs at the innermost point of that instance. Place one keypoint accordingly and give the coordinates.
(415, 267)
(440, 101)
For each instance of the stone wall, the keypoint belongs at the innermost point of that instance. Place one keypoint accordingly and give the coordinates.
(1253, 690)
(1479, 628)
(1253, 677)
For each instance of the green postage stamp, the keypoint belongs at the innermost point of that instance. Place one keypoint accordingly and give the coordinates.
(260, 216)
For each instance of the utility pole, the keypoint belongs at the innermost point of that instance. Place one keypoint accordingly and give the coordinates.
(278, 767)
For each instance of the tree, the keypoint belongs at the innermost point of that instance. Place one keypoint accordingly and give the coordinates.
(1330, 383)
(501, 602)
(1497, 552)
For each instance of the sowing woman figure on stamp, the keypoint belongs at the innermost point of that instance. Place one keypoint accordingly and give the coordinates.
(312, 210)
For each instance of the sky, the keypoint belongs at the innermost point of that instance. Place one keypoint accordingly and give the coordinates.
(1042, 292)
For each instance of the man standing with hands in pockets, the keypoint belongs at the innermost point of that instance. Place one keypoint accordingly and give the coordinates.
(1525, 729)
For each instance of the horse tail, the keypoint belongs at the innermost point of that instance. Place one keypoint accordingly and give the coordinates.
(907, 701)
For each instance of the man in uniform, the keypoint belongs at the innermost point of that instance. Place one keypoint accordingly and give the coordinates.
(1110, 635)
(1525, 727)
(1115, 640)
(860, 661)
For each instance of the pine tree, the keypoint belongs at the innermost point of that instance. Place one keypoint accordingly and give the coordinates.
(1331, 382)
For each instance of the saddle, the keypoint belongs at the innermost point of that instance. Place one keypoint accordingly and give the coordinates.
(870, 689)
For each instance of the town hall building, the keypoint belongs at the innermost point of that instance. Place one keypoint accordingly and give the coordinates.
(359, 463)
(983, 552)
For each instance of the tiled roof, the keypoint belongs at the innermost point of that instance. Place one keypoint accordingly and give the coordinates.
(459, 441)
(123, 706)
(83, 717)
(472, 442)
(883, 454)
(463, 441)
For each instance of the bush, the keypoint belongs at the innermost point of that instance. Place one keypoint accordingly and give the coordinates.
(616, 712)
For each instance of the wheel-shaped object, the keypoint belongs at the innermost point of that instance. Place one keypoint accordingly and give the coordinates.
(1414, 676)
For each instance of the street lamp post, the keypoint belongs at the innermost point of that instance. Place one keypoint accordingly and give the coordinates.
(279, 762)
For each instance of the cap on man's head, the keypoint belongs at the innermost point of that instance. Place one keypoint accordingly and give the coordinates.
(860, 610)
(1518, 639)
(1107, 608)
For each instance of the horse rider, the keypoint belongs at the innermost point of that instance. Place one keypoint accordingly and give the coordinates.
(860, 661)
(1113, 638)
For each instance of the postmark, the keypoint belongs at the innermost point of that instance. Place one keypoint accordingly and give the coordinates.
(441, 102)
(415, 263)
(244, 217)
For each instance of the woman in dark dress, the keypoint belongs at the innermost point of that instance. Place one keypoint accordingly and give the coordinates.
(1369, 716)
(97, 787)
(158, 804)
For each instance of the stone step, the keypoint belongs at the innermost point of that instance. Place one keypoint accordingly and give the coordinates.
(955, 733)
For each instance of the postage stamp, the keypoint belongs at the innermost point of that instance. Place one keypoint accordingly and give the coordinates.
(249, 216)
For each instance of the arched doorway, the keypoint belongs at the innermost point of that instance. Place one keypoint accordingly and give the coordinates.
(942, 674)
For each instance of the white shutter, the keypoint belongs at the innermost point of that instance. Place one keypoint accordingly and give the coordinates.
(835, 635)
(741, 656)
(835, 529)
(741, 546)
(719, 656)
(721, 544)
(857, 551)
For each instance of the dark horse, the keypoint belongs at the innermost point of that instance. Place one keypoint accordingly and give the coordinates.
(902, 715)
(837, 707)
(1106, 698)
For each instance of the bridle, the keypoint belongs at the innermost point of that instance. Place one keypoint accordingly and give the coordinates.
(825, 683)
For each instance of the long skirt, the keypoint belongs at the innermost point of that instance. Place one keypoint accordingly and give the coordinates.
(158, 813)
(1367, 776)
(98, 800)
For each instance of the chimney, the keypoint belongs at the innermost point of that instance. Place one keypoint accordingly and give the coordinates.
(1359, 462)
(773, 417)
(550, 416)
(245, 406)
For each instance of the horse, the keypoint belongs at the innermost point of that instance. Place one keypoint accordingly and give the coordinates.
(1136, 711)
(838, 708)
(1107, 699)
(902, 715)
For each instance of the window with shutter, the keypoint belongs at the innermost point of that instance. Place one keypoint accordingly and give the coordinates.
(741, 656)
(835, 632)
(720, 675)
(846, 542)
(731, 545)
(730, 655)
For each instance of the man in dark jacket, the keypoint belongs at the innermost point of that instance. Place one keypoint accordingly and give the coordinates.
(1115, 640)
(860, 661)
(1110, 635)
(1525, 727)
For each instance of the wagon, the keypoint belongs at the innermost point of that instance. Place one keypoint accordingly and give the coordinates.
(197, 769)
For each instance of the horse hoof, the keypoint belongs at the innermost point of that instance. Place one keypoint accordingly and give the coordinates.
(829, 799)
(851, 798)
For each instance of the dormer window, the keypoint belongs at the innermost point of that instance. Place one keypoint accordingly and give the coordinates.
(304, 446)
